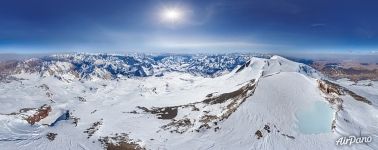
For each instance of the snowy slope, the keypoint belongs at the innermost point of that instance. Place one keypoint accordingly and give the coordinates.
(112, 101)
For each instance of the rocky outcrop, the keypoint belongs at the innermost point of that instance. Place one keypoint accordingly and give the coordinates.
(93, 128)
(330, 88)
(227, 103)
(40, 114)
(268, 129)
(162, 112)
(51, 136)
(243, 66)
(333, 93)
(120, 142)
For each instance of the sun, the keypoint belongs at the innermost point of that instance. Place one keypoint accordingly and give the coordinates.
(172, 15)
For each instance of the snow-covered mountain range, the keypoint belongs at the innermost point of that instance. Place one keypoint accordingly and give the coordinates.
(131, 65)
(140, 101)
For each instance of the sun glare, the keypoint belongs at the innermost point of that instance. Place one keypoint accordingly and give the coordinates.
(172, 15)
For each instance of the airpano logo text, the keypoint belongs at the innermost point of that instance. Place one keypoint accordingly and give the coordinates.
(353, 140)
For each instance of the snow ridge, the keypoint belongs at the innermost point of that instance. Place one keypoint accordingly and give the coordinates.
(140, 101)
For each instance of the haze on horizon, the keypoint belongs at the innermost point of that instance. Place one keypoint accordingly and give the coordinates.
(275, 26)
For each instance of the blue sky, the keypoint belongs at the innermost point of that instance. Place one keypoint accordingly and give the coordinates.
(204, 26)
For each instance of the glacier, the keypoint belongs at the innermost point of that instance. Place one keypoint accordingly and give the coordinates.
(142, 101)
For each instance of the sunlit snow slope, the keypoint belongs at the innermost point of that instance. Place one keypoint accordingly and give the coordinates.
(86, 101)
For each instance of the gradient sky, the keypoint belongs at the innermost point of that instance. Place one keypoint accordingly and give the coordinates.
(206, 26)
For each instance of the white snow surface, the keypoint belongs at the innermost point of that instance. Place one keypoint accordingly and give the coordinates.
(283, 88)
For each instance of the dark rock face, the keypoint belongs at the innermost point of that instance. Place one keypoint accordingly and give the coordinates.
(93, 128)
(51, 136)
(329, 88)
(41, 113)
(225, 96)
(120, 142)
(258, 134)
(162, 112)
(243, 66)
